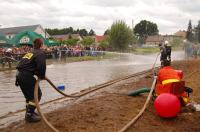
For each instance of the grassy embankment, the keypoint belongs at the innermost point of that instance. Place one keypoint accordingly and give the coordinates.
(146, 50)
(108, 55)
(150, 50)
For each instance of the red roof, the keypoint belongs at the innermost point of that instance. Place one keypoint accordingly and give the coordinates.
(155, 38)
(66, 36)
(100, 38)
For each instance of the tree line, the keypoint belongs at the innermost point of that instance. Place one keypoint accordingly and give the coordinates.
(193, 32)
(121, 36)
(118, 37)
(70, 30)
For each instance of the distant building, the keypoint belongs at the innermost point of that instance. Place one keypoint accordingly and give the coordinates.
(66, 37)
(12, 31)
(169, 38)
(154, 40)
(157, 39)
(99, 39)
(181, 34)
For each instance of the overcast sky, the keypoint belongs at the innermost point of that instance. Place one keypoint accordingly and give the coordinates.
(170, 15)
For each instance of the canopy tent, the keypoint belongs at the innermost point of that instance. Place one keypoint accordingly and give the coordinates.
(27, 38)
(4, 42)
(52, 43)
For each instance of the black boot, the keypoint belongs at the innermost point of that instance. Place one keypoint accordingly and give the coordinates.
(31, 116)
(36, 114)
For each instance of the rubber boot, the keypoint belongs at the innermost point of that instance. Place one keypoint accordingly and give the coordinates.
(33, 110)
(30, 115)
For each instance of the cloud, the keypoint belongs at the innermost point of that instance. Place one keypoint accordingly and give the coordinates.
(111, 3)
(170, 15)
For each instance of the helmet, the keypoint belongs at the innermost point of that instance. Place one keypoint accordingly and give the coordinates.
(167, 43)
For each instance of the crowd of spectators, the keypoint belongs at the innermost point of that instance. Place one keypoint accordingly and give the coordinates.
(192, 50)
(16, 53)
(71, 51)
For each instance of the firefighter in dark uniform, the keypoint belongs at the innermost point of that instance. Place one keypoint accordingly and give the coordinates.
(168, 50)
(165, 50)
(33, 63)
(163, 53)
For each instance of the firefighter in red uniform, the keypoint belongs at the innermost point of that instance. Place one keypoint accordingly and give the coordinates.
(166, 76)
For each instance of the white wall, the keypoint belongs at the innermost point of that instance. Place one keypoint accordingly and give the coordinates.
(41, 31)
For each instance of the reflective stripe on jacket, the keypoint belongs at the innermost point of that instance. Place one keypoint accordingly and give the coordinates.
(169, 81)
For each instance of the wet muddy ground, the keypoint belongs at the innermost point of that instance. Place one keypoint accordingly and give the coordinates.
(110, 109)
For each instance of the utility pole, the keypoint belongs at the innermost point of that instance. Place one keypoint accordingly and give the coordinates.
(132, 24)
(132, 31)
(146, 26)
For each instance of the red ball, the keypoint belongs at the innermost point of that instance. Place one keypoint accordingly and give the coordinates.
(167, 105)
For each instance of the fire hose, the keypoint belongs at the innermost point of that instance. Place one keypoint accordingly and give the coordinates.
(77, 96)
(134, 120)
(73, 96)
(141, 111)
(39, 110)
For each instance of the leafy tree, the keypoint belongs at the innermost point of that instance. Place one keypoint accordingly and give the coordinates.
(107, 32)
(198, 32)
(83, 32)
(144, 29)
(189, 34)
(76, 31)
(71, 41)
(91, 33)
(53, 31)
(120, 35)
(176, 42)
(104, 44)
(87, 41)
(70, 30)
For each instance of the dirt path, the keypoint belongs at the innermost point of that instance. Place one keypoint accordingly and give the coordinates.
(110, 109)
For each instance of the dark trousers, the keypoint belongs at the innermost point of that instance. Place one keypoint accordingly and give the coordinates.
(27, 81)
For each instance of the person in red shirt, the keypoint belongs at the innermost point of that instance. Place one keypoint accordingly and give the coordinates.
(166, 79)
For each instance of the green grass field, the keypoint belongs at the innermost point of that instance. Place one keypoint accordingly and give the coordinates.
(87, 58)
(146, 50)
